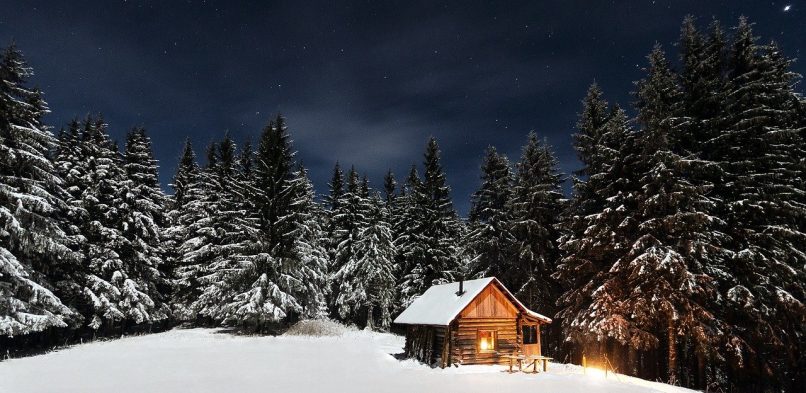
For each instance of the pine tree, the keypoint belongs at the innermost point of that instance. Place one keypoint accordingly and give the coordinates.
(351, 216)
(703, 87)
(274, 163)
(762, 155)
(146, 223)
(433, 238)
(235, 245)
(490, 239)
(406, 221)
(389, 188)
(596, 237)
(193, 229)
(367, 279)
(310, 247)
(267, 277)
(32, 243)
(336, 187)
(117, 283)
(185, 175)
(335, 224)
(660, 289)
(535, 208)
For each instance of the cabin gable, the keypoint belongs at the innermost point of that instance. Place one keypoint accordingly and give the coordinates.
(490, 303)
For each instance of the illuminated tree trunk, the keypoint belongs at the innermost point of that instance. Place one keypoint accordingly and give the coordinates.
(672, 353)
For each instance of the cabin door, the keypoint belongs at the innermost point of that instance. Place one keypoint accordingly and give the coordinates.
(531, 339)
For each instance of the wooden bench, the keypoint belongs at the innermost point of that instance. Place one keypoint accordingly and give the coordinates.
(536, 359)
(533, 359)
(512, 358)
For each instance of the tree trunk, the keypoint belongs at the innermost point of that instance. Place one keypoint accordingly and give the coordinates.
(630, 370)
(672, 364)
(701, 379)
(370, 322)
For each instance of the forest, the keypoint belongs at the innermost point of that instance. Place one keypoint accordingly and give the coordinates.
(680, 254)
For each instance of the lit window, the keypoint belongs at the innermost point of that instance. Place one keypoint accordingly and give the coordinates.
(486, 340)
(529, 334)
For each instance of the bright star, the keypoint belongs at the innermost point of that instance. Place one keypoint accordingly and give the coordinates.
(787, 7)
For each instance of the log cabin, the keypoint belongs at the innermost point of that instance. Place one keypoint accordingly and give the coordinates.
(470, 322)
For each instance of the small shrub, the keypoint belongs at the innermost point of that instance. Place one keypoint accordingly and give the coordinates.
(318, 328)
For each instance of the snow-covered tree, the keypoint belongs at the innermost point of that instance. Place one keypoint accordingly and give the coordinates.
(367, 279)
(433, 237)
(350, 217)
(186, 173)
(274, 166)
(32, 242)
(405, 230)
(490, 238)
(334, 225)
(310, 246)
(118, 283)
(389, 188)
(596, 237)
(660, 289)
(193, 231)
(273, 268)
(234, 233)
(146, 222)
(762, 154)
(535, 209)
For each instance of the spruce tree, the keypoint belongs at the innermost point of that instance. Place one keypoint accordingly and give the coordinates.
(490, 240)
(32, 242)
(274, 163)
(185, 175)
(762, 157)
(118, 283)
(146, 223)
(406, 231)
(352, 218)
(267, 277)
(193, 229)
(434, 248)
(367, 278)
(596, 238)
(389, 188)
(535, 208)
(235, 244)
(310, 247)
(660, 290)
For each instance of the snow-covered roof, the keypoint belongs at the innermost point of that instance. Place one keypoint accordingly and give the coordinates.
(439, 305)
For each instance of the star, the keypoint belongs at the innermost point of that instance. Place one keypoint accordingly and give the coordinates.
(787, 7)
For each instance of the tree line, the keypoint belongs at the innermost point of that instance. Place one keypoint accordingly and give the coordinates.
(680, 254)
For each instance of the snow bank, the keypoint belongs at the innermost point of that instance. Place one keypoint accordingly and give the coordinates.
(207, 360)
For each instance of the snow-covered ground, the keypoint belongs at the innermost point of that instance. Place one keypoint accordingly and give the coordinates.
(204, 360)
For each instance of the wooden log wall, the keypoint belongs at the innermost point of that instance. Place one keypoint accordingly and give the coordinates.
(464, 340)
(426, 344)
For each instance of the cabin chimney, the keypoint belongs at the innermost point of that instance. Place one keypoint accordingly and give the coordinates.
(461, 290)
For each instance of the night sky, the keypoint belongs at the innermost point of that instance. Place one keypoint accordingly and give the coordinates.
(365, 83)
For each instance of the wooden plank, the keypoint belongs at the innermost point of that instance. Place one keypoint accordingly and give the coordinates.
(491, 302)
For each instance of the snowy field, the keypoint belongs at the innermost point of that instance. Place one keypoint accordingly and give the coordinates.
(204, 360)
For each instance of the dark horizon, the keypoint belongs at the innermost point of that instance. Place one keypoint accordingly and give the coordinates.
(361, 84)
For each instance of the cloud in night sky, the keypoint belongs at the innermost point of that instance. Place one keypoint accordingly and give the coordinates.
(364, 83)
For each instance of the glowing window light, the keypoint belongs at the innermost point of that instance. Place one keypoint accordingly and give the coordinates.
(486, 341)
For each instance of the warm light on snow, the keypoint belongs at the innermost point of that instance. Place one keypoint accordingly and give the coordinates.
(595, 372)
